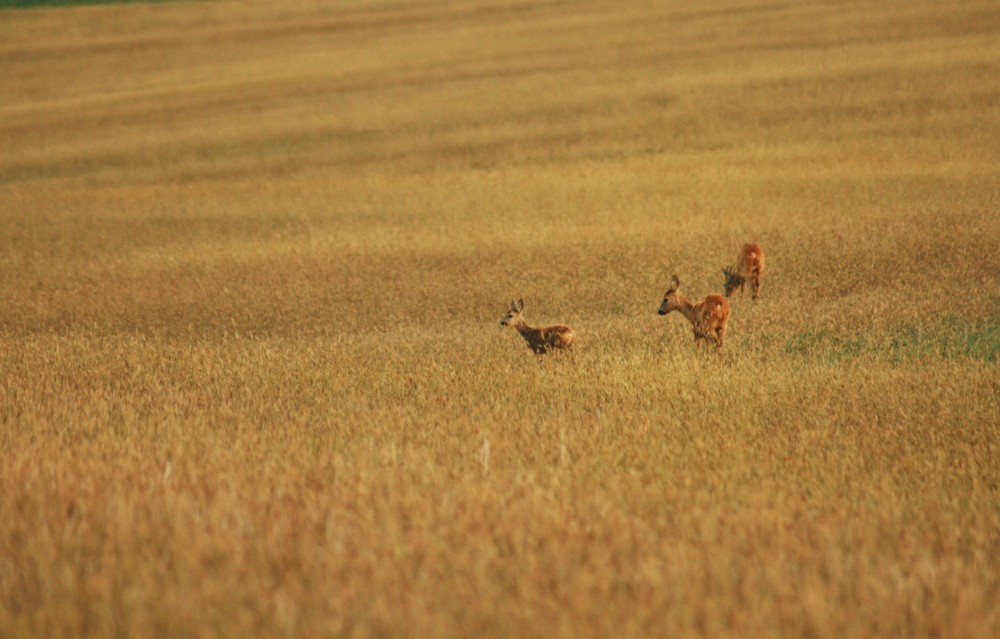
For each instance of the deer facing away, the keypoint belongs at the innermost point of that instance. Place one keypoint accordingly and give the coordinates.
(543, 339)
(708, 317)
(749, 267)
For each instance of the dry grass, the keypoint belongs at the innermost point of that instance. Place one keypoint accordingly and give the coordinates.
(253, 257)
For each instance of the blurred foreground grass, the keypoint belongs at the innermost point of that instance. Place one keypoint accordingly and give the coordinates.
(253, 258)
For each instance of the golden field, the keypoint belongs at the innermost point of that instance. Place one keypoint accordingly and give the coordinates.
(253, 259)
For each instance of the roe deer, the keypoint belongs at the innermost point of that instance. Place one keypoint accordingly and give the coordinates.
(708, 317)
(749, 266)
(543, 339)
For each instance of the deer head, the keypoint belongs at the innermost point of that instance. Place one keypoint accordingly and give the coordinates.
(670, 302)
(733, 280)
(513, 315)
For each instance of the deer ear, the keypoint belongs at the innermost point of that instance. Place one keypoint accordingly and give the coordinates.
(676, 283)
(520, 304)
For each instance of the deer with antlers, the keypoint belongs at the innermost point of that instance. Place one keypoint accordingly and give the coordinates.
(749, 267)
(708, 317)
(540, 340)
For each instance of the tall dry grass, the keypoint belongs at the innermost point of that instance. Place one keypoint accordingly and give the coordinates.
(253, 258)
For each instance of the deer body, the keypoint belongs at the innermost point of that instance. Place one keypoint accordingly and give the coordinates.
(749, 267)
(542, 339)
(708, 317)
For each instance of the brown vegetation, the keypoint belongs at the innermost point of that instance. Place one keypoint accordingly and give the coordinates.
(252, 383)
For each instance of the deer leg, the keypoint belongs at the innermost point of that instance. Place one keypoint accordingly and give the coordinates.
(756, 285)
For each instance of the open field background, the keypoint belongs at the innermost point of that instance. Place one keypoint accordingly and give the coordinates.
(253, 257)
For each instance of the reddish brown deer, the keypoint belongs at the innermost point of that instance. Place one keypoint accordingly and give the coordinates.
(540, 340)
(749, 267)
(708, 317)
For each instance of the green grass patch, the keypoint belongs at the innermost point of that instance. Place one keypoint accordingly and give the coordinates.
(826, 344)
(37, 4)
(948, 336)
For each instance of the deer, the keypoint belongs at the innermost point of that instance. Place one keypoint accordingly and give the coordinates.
(708, 317)
(540, 340)
(749, 266)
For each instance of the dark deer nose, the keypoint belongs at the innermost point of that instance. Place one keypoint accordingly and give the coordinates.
(661, 312)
